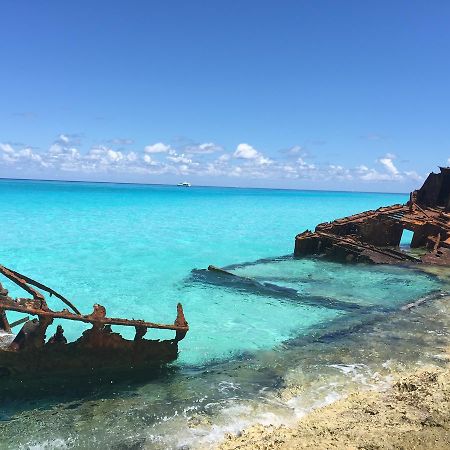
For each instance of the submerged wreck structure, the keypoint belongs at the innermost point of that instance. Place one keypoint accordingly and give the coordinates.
(98, 350)
(374, 236)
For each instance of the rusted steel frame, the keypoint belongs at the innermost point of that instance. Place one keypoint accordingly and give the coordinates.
(367, 214)
(405, 221)
(15, 278)
(41, 286)
(180, 321)
(12, 306)
(395, 207)
(414, 221)
(4, 324)
(422, 210)
(19, 322)
(361, 245)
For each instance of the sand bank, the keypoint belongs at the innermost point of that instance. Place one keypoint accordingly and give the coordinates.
(412, 414)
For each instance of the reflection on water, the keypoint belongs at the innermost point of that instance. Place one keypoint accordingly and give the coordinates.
(326, 352)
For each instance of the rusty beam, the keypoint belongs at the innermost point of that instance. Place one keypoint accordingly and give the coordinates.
(24, 278)
(95, 319)
(23, 284)
(19, 322)
(4, 324)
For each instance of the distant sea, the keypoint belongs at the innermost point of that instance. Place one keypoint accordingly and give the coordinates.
(250, 355)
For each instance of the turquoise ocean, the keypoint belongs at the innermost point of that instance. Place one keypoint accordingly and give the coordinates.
(312, 331)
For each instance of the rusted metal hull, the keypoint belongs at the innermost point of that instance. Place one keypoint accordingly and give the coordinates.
(374, 236)
(83, 360)
(31, 355)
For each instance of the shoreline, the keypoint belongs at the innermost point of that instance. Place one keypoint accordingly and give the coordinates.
(411, 411)
(414, 412)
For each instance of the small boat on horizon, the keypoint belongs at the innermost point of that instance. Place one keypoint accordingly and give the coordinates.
(184, 184)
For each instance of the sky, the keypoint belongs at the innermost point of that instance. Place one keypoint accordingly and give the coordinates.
(343, 95)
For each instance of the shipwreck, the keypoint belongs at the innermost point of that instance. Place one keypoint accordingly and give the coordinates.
(98, 350)
(374, 236)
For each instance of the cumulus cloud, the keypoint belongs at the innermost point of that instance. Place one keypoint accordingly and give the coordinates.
(224, 157)
(10, 156)
(205, 148)
(6, 148)
(159, 147)
(388, 172)
(413, 175)
(304, 165)
(180, 159)
(388, 163)
(246, 151)
(208, 159)
(294, 151)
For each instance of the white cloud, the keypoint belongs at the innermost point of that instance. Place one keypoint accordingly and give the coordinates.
(413, 175)
(236, 172)
(7, 148)
(367, 174)
(245, 151)
(205, 148)
(262, 160)
(223, 158)
(388, 163)
(389, 173)
(246, 162)
(295, 150)
(159, 147)
(132, 156)
(304, 165)
(180, 159)
(336, 171)
(149, 160)
(64, 138)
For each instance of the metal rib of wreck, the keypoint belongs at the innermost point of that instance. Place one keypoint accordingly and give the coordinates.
(374, 236)
(98, 349)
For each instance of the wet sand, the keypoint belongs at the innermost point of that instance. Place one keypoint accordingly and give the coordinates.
(414, 413)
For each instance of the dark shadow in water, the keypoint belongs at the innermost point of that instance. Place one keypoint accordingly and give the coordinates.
(272, 290)
(19, 395)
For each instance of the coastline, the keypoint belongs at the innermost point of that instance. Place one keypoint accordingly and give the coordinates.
(411, 410)
(414, 412)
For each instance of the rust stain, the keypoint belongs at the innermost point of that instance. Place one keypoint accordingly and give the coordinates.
(98, 348)
(374, 236)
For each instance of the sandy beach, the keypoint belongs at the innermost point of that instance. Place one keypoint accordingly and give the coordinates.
(414, 413)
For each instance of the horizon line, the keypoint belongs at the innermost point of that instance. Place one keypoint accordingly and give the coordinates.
(45, 180)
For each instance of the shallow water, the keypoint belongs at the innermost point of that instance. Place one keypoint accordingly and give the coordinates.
(301, 333)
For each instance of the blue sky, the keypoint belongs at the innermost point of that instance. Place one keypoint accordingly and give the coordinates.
(297, 94)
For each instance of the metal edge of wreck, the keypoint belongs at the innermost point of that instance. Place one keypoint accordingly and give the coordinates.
(374, 236)
(28, 354)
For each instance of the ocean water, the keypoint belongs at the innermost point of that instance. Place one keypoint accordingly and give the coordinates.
(301, 325)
